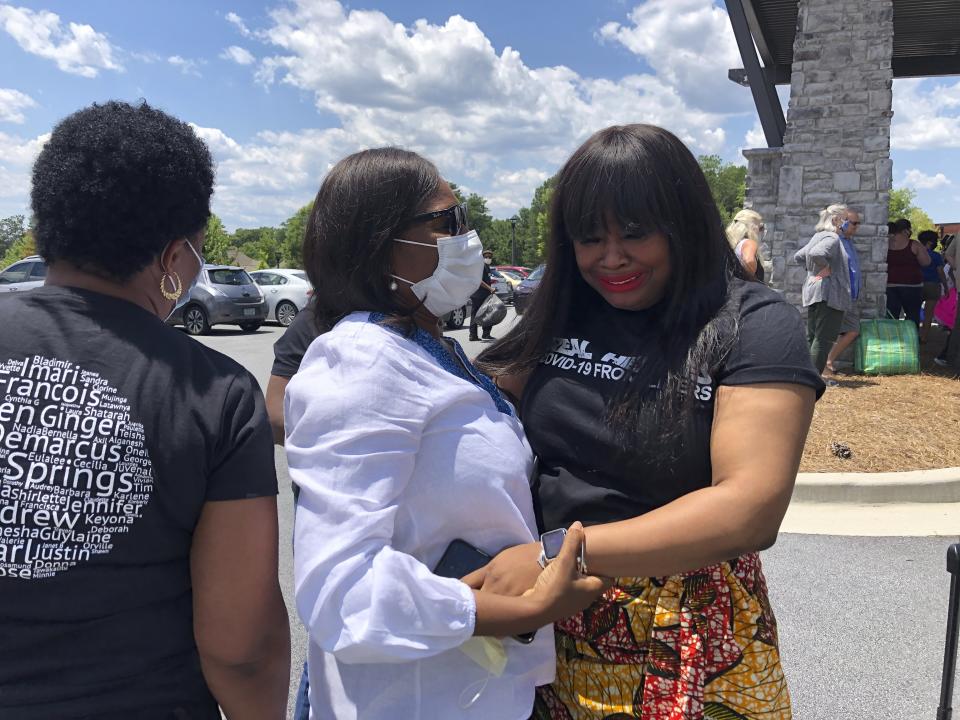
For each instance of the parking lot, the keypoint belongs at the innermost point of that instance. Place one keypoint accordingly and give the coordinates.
(861, 620)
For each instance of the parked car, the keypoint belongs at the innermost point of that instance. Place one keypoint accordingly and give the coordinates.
(223, 295)
(501, 286)
(523, 293)
(24, 274)
(287, 291)
(520, 270)
(512, 277)
(455, 319)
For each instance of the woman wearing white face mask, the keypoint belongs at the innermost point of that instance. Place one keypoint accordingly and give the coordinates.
(400, 447)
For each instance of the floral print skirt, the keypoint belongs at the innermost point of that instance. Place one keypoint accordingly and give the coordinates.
(697, 646)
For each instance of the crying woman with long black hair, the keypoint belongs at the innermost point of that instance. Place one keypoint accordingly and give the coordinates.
(667, 396)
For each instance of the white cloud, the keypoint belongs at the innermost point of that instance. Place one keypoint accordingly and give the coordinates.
(238, 23)
(16, 160)
(12, 105)
(187, 67)
(921, 181)
(921, 115)
(690, 45)
(239, 55)
(281, 170)
(77, 49)
(444, 90)
(755, 137)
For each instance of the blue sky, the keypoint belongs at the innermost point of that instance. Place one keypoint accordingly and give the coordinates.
(497, 93)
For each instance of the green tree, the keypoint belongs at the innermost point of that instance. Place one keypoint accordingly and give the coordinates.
(216, 246)
(290, 237)
(259, 244)
(901, 202)
(728, 184)
(497, 239)
(12, 229)
(21, 248)
(902, 206)
(478, 216)
(540, 222)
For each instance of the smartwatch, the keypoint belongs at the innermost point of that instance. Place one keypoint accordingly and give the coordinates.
(550, 544)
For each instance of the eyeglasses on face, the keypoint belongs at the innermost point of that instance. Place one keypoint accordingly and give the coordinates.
(456, 218)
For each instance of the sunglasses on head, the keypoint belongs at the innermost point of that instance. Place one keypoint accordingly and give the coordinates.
(456, 218)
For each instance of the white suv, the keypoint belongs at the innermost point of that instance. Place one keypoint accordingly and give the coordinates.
(24, 274)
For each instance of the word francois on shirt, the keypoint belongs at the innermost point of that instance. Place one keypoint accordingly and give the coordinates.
(74, 467)
(574, 355)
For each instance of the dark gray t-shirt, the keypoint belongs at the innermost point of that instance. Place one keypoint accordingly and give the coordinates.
(583, 473)
(115, 429)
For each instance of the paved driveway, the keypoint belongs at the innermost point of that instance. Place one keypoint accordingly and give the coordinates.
(861, 619)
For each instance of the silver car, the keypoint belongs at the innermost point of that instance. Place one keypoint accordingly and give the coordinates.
(287, 291)
(224, 295)
(24, 274)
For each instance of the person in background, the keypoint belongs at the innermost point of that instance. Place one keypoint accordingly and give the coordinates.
(646, 367)
(850, 325)
(288, 352)
(158, 597)
(744, 234)
(951, 256)
(827, 292)
(948, 253)
(481, 294)
(906, 259)
(934, 281)
(399, 447)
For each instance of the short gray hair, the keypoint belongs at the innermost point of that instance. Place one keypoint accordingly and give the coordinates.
(829, 215)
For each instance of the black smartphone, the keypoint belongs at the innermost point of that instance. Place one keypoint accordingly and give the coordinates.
(460, 559)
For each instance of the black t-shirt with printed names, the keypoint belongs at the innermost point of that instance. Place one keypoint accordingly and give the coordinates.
(115, 429)
(583, 474)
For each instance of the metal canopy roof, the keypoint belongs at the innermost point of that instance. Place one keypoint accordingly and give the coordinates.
(926, 36)
(926, 42)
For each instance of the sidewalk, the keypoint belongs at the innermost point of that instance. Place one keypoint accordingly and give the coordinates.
(907, 504)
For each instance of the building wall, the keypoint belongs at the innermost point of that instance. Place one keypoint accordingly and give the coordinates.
(837, 143)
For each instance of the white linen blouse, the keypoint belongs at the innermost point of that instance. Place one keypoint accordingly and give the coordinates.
(397, 452)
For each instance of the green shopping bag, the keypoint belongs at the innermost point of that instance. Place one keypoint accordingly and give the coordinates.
(887, 347)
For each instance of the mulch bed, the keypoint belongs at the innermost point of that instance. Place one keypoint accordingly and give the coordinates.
(902, 422)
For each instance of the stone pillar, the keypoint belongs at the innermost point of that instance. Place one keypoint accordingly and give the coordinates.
(837, 144)
(763, 183)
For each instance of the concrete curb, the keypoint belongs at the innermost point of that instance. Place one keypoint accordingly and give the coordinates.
(918, 486)
(886, 520)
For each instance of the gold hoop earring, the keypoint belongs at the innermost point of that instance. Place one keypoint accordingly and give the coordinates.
(174, 282)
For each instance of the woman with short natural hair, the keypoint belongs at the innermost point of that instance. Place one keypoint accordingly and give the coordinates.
(667, 397)
(138, 567)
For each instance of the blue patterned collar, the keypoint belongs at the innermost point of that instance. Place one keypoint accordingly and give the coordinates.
(448, 362)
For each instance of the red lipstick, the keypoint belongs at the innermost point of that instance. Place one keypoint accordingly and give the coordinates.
(622, 283)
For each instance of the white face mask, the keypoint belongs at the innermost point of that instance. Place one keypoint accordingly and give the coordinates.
(457, 277)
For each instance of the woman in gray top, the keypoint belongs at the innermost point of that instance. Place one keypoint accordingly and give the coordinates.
(827, 289)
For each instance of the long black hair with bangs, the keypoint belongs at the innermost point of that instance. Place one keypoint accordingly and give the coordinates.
(647, 179)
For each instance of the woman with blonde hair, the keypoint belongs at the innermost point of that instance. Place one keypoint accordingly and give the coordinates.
(744, 234)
